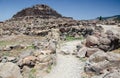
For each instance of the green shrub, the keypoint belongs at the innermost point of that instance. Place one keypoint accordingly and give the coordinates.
(30, 47)
(70, 38)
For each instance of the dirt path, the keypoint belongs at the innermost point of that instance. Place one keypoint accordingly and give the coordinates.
(68, 66)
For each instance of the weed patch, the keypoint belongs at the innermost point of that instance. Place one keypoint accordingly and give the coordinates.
(70, 38)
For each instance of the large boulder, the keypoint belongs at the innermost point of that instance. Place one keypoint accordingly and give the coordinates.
(39, 59)
(104, 47)
(45, 56)
(92, 41)
(102, 63)
(91, 51)
(109, 32)
(37, 62)
(109, 41)
(104, 41)
(112, 75)
(115, 40)
(99, 28)
(27, 61)
(81, 52)
(96, 33)
(9, 70)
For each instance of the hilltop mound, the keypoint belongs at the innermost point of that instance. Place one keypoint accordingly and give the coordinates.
(38, 10)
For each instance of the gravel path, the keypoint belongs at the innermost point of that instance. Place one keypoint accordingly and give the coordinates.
(68, 66)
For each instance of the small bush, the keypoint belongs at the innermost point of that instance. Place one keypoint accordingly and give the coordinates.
(30, 47)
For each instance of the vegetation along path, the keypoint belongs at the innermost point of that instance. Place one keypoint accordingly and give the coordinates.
(68, 66)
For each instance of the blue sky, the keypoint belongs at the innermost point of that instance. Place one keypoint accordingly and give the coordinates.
(78, 9)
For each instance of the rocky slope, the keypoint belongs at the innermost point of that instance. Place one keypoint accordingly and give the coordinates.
(42, 11)
(40, 19)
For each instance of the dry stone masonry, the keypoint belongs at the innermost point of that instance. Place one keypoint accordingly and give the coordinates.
(35, 39)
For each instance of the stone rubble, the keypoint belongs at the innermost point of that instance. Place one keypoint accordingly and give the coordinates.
(34, 57)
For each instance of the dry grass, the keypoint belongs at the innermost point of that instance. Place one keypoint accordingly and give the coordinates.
(18, 40)
(116, 51)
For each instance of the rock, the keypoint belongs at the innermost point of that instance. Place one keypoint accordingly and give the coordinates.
(54, 37)
(25, 54)
(18, 47)
(43, 52)
(92, 41)
(13, 47)
(99, 28)
(82, 52)
(40, 33)
(55, 34)
(7, 48)
(98, 56)
(46, 56)
(26, 71)
(103, 35)
(112, 75)
(96, 33)
(38, 59)
(9, 70)
(11, 58)
(111, 37)
(91, 51)
(53, 45)
(89, 30)
(104, 47)
(78, 47)
(104, 41)
(65, 52)
(42, 66)
(115, 41)
(113, 56)
(27, 61)
(77, 36)
(5, 59)
(102, 63)
(109, 32)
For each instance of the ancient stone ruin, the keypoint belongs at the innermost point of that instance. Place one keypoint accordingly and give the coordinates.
(38, 41)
